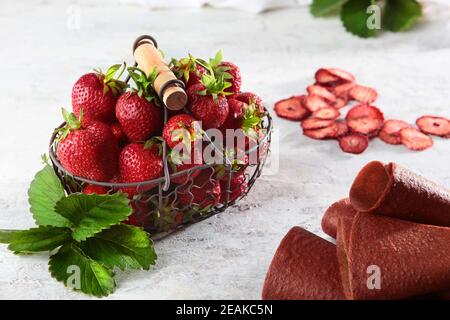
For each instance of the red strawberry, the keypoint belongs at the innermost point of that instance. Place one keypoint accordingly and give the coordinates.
(208, 105)
(95, 189)
(238, 187)
(181, 128)
(235, 73)
(189, 70)
(204, 191)
(139, 118)
(118, 132)
(248, 98)
(138, 110)
(87, 151)
(140, 162)
(97, 94)
(235, 113)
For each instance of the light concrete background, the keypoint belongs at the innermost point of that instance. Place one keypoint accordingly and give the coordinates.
(226, 256)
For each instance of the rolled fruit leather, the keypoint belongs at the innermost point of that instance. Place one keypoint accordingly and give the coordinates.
(341, 209)
(166, 84)
(413, 259)
(304, 267)
(394, 191)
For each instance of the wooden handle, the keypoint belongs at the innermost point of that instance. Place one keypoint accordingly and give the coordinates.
(147, 56)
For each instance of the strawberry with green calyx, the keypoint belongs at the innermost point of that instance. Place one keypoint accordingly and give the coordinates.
(97, 93)
(248, 97)
(182, 128)
(237, 159)
(139, 162)
(95, 189)
(88, 151)
(207, 101)
(138, 110)
(188, 69)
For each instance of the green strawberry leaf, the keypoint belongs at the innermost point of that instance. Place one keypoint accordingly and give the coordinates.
(43, 238)
(75, 269)
(400, 15)
(90, 214)
(354, 16)
(122, 246)
(45, 190)
(320, 8)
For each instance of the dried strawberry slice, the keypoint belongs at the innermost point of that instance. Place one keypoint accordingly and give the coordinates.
(328, 113)
(340, 102)
(324, 77)
(292, 108)
(321, 92)
(365, 119)
(354, 143)
(313, 103)
(413, 139)
(390, 132)
(333, 76)
(313, 123)
(342, 128)
(343, 90)
(322, 133)
(363, 94)
(437, 126)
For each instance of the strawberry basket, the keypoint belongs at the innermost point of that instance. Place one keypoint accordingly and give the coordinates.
(175, 200)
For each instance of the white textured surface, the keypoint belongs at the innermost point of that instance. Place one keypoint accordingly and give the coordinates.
(226, 256)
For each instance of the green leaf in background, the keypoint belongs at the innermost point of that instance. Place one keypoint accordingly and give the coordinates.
(43, 238)
(76, 270)
(399, 15)
(320, 8)
(122, 246)
(45, 190)
(354, 16)
(89, 214)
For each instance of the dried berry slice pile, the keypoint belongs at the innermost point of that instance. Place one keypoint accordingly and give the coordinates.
(319, 113)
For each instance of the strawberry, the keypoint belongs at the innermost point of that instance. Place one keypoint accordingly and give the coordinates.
(96, 93)
(140, 162)
(248, 97)
(238, 187)
(203, 193)
(188, 69)
(118, 132)
(208, 103)
(235, 113)
(137, 110)
(88, 151)
(181, 128)
(235, 79)
(95, 189)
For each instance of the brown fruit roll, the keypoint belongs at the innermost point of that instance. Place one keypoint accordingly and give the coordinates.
(413, 259)
(304, 267)
(394, 191)
(341, 209)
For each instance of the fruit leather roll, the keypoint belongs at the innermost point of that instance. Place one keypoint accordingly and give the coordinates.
(394, 191)
(408, 259)
(304, 267)
(341, 209)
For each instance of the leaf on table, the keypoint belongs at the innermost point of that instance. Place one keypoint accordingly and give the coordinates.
(90, 214)
(45, 190)
(79, 272)
(400, 15)
(43, 238)
(122, 246)
(355, 18)
(320, 8)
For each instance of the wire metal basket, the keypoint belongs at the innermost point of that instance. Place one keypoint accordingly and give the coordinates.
(161, 206)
